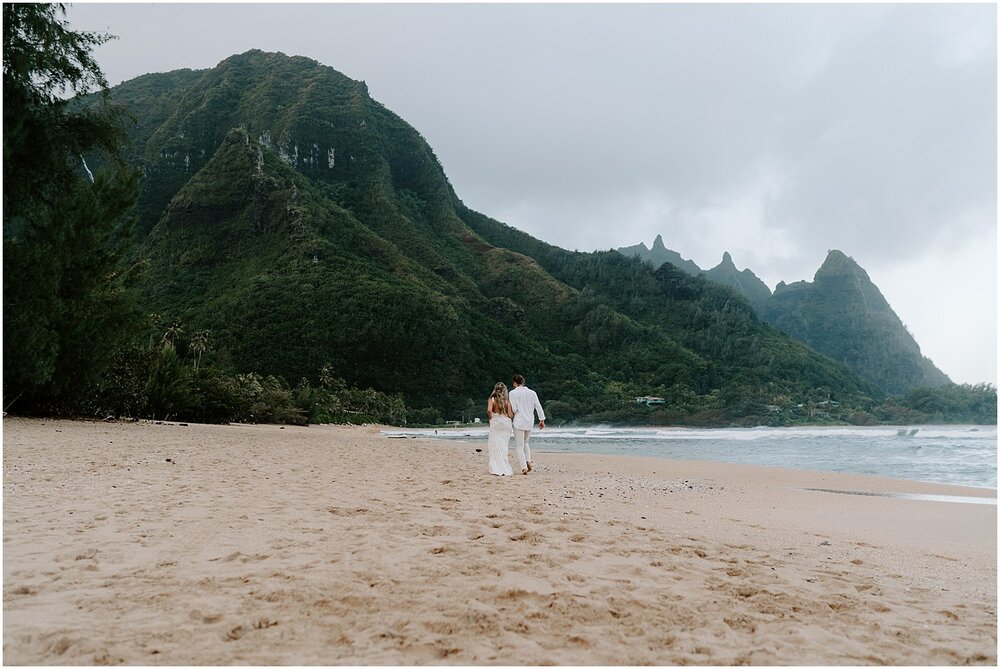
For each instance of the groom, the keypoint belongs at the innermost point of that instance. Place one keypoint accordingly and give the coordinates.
(524, 402)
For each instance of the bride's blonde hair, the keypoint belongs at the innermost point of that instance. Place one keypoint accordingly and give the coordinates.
(500, 396)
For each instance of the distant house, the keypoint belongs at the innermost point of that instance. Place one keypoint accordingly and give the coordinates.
(650, 401)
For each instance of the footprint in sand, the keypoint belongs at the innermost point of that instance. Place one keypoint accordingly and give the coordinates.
(241, 557)
(347, 512)
(235, 633)
(530, 537)
(23, 590)
(433, 531)
(61, 645)
(741, 623)
(205, 618)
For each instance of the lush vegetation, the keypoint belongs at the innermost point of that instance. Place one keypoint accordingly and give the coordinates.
(74, 342)
(172, 377)
(301, 246)
(65, 306)
(841, 315)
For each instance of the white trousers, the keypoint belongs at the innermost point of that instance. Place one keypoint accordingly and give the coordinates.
(521, 447)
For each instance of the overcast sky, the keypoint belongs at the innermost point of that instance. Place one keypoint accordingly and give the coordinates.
(774, 132)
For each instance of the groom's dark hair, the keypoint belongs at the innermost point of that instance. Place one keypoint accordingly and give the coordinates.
(518, 379)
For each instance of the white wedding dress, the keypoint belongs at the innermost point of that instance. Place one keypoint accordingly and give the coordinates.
(501, 431)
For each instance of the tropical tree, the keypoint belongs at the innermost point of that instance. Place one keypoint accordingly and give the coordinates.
(64, 305)
(199, 344)
(173, 332)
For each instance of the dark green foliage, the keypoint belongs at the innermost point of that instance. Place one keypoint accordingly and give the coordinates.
(65, 311)
(122, 392)
(955, 403)
(168, 388)
(64, 306)
(164, 380)
(43, 135)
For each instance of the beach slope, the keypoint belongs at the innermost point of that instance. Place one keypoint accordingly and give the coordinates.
(192, 544)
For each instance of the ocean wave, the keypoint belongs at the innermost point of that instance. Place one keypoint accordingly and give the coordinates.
(962, 454)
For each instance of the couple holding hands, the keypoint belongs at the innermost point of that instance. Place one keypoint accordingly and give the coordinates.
(512, 412)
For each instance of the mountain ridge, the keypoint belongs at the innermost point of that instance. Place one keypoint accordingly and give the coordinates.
(841, 314)
(308, 227)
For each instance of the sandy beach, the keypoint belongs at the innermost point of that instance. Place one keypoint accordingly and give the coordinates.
(192, 544)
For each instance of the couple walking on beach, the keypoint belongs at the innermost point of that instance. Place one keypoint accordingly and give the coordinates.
(513, 412)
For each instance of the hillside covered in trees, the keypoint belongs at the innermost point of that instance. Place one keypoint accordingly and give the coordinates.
(841, 314)
(298, 254)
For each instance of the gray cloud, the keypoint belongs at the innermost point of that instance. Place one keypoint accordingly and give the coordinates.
(776, 132)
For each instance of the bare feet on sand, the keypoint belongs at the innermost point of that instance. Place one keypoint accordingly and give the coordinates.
(524, 471)
(529, 467)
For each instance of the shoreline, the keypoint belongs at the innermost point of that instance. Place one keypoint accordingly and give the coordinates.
(688, 428)
(458, 435)
(259, 544)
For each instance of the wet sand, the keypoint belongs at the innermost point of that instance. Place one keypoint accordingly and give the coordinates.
(169, 544)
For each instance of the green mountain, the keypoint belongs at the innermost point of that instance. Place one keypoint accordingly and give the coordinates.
(307, 227)
(843, 315)
(744, 282)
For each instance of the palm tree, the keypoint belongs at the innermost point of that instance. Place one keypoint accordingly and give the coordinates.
(173, 332)
(199, 344)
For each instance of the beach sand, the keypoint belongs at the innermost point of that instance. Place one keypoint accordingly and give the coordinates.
(170, 544)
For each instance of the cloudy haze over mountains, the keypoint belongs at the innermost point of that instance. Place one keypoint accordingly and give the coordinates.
(773, 132)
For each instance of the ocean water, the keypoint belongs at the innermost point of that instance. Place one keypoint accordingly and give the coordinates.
(956, 454)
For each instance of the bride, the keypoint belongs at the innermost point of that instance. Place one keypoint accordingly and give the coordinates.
(499, 413)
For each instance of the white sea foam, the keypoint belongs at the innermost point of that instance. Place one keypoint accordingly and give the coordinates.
(960, 454)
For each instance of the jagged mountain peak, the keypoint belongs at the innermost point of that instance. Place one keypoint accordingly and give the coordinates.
(837, 262)
(744, 282)
(659, 254)
(840, 313)
(844, 315)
